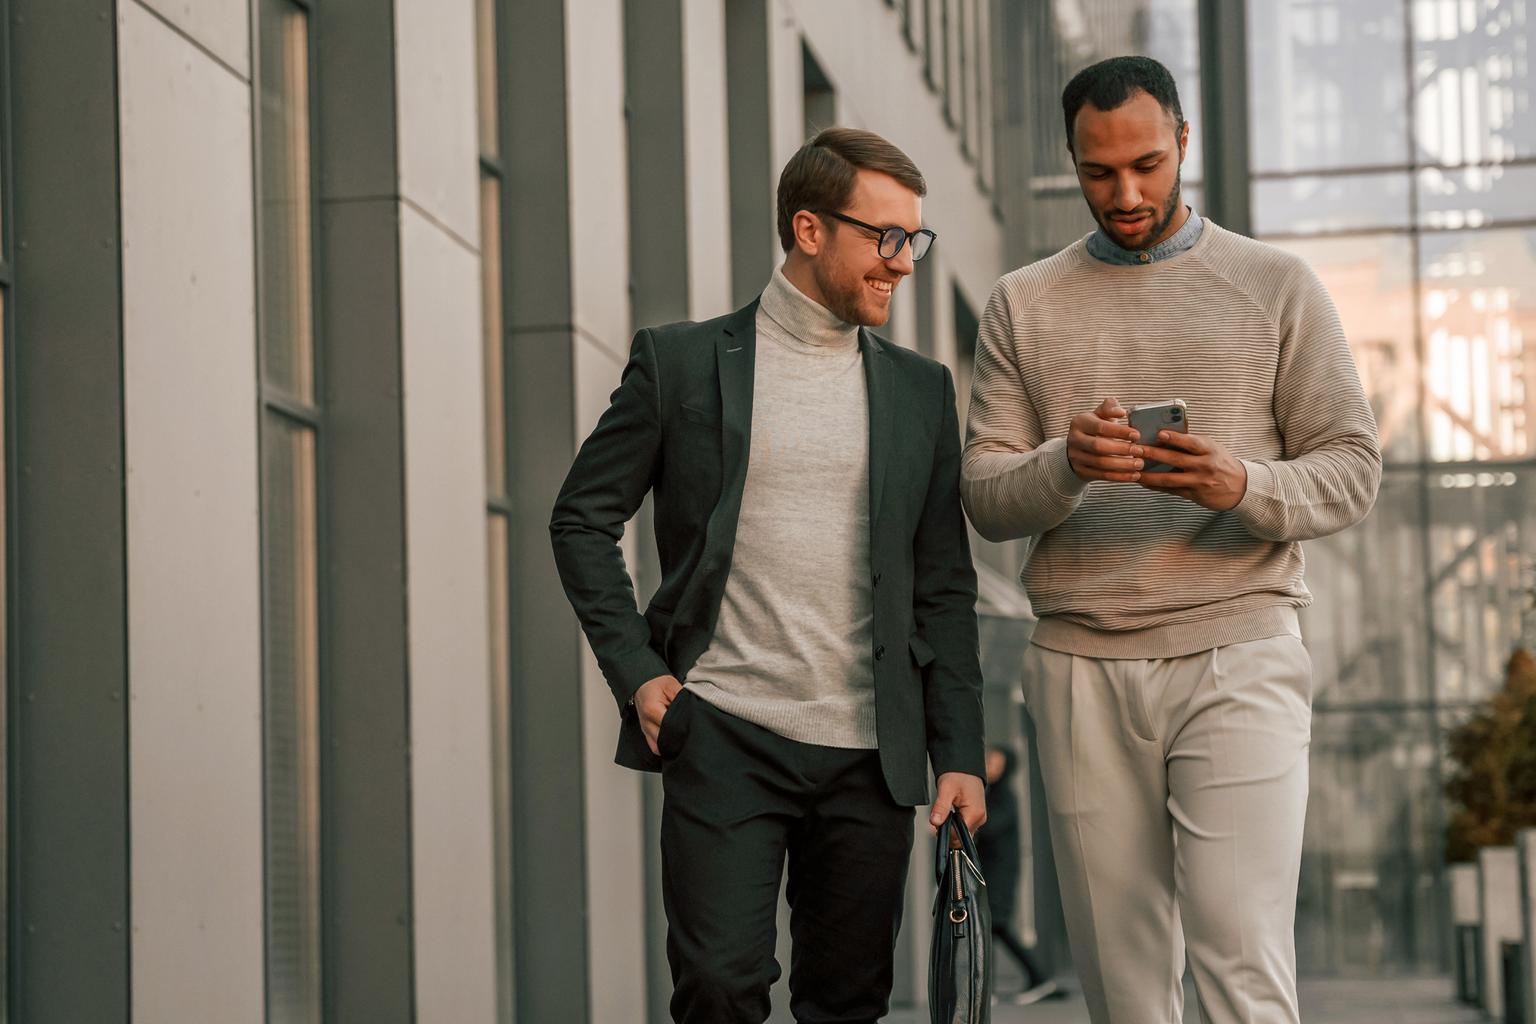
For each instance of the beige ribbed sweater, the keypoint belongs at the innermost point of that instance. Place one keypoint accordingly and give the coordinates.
(1248, 337)
(791, 648)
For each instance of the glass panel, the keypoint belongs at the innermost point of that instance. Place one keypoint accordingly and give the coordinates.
(1482, 553)
(1168, 31)
(291, 721)
(1479, 320)
(1368, 900)
(1062, 39)
(1366, 630)
(491, 320)
(1330, 203)
(485, 71)
(1475, 84)
(501, 754)
(1327, 84)
(286, 303)
(1370, 278)
(1476, 197)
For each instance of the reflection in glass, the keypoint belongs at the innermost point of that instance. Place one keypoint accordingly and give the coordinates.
(291, 720)
(1476, 197)
(1330, 203)
(1482, 553)
(1328, 84)
(1371, 281)
(1475, 84)
(1366, 628)
(287, 306)
(1368, 899)
(1478, 298)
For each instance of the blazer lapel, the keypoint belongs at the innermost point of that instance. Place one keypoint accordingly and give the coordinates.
(736, 361)
(877, 379)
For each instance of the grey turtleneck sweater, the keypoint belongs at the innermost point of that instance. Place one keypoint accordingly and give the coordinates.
(791, 648)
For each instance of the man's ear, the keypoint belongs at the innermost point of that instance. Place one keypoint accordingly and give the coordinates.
(1183, 140)
(810, 232)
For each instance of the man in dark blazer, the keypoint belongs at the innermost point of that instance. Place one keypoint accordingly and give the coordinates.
(813, 643)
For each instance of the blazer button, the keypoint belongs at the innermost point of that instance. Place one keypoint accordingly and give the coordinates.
(877, 579)
(880, 652)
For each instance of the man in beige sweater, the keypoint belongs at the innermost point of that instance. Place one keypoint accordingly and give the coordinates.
(1167, 680)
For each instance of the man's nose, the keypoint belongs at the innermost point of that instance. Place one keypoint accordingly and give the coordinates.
(902, 263)
(1127, 193)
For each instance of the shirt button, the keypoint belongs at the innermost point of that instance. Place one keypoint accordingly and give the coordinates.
(880, 652)
(1145, 257)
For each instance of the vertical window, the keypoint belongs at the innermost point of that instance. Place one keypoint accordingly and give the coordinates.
(290, 425)
(498, 498)
(820, 98)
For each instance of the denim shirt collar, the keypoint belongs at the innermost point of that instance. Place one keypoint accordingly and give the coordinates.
(1101, 248)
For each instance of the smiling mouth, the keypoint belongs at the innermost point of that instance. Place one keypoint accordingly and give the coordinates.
(882, 287)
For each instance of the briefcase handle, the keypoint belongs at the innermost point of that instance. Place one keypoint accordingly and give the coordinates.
(954, 825)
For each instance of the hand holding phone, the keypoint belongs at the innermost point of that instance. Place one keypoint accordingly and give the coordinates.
(1149, 418)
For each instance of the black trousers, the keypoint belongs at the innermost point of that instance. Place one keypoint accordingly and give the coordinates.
(739, 801)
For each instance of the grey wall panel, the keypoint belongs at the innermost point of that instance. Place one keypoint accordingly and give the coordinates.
(452, 881)
(367, 810)
(69, 941)
(221, 27)
(194, 617)
(549, 824)
(658, 166)
(706, 143)
(435, 95)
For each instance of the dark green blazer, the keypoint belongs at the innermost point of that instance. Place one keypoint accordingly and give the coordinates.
(679, 426)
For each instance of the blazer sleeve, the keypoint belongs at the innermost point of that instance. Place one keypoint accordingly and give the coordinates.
(944, 609)
(608, 480)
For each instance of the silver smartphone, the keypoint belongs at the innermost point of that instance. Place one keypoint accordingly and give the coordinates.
(1150, 417)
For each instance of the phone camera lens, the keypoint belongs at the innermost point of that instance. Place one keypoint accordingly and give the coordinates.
(1176, 415)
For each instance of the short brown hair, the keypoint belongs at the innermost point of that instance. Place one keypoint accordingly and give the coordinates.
(821, 175)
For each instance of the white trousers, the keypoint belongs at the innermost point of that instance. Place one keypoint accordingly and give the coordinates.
(1177, 791)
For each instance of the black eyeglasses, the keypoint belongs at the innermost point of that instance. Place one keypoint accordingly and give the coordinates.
(893, 238)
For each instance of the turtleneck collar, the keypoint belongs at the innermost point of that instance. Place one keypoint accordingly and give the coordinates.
(804, 320)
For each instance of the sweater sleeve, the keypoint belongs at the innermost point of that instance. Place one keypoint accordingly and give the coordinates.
(1015, 482)
(1331, 467)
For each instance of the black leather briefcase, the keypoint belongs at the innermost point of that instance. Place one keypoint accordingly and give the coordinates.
(960, 962)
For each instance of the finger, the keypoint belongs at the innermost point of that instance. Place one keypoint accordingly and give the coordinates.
(1108, 463)
(1109, 409)
(1091, 427)
(940, 813)
(1184, 442)
(1089, 473)
(1170, 481)
(1170, 456)
(1106, 445)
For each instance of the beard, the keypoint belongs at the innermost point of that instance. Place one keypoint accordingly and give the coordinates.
(1171, 207)
(845, 296)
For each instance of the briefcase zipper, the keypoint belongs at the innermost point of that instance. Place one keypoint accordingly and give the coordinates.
(959, 912)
